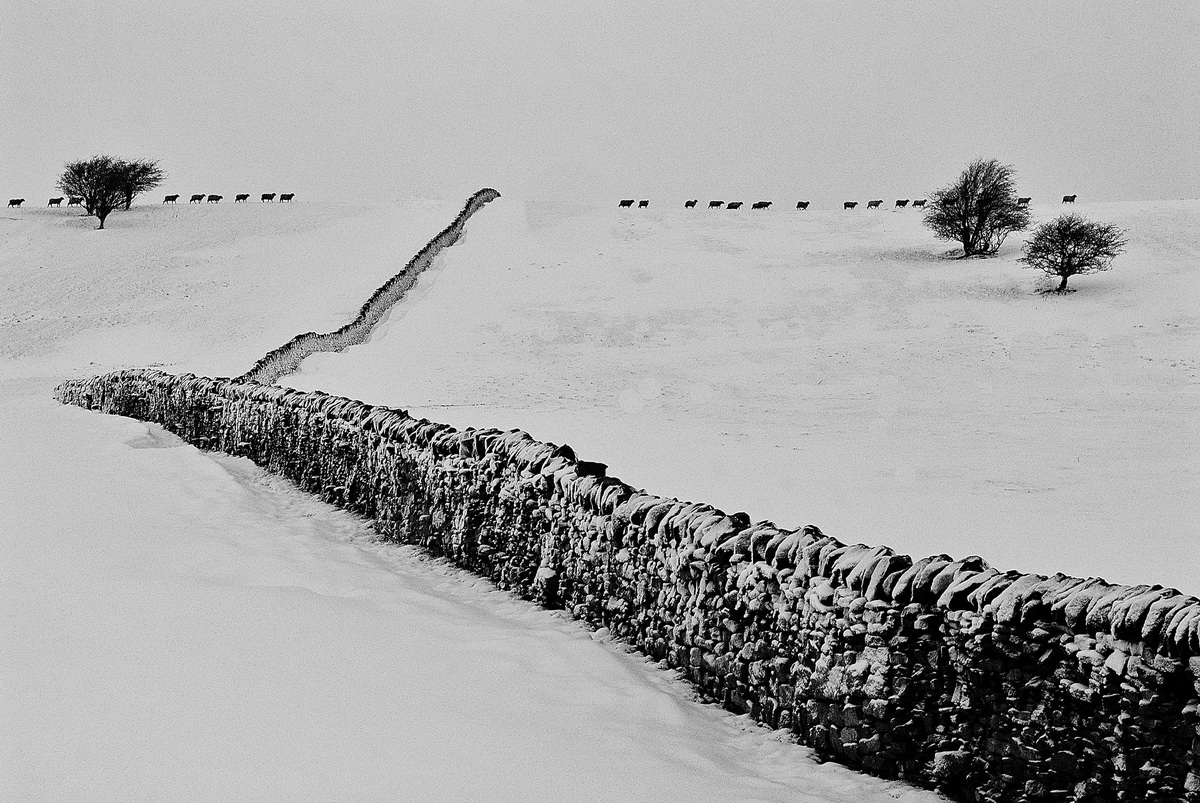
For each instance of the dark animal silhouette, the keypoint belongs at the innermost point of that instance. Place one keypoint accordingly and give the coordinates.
(1068, 199)
(268, 197)
(849, 204)
(195, 199)
(734, 205)
(287, 197)
(715, 204)
(690, 204)
(1024, 201)
(874, 204)
(760, 205)
(55, 202)
(15, 201)
(802, 204)
(919, 204)
(215, 199)
(643, 204)
(241, 198)
(73, 201)
(901, 204)
(170, 199)
(628, 202)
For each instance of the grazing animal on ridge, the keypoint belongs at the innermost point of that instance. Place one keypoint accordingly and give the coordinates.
(715, 204)
(802, 204)
(1068, 199)
(241, 198)
(73, 201)
(760, 205)
(170, 199)
(628, 202)
(874, 204)
(734, 205)
(643, 204)
(901, 204)
(55, 202)
(15, 201)
(1024, 201)
(690, 204)
(849, 204)
(287, 197)
(919, 204)
(195, 199)
(268, 197)
(215, 199)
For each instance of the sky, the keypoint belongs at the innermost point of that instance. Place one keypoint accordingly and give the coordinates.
(594, 102)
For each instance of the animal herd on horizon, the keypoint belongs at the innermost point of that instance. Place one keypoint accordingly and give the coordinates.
(287, 197)
(241, 198)
(901, 203)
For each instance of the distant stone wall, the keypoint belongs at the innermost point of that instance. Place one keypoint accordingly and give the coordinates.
(988, 685)
(286, 359)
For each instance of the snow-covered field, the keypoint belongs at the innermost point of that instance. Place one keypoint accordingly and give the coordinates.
(830, 367)
(180, 626)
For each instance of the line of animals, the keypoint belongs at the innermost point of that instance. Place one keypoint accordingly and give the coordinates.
(267, 197)
(240, 198)
(286, 198)
(901, 203)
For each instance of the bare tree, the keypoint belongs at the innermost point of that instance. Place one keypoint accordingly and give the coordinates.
(979, 209)
(141, 175)
(1070, 245)
(105, 183)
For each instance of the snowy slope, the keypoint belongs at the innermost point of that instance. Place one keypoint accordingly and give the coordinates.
(180, 626)
(833, 368)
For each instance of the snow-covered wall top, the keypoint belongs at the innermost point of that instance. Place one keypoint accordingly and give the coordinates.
(287, 358)
(990, 685)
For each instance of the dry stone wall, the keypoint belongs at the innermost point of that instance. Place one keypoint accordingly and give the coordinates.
(988, 685)
(286, 359)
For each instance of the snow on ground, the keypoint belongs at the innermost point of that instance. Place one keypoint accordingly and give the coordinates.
(833, 368)
(181, 626)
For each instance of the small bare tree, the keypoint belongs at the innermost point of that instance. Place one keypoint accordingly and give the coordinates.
(105, 183)
(979, 209)
(1070, 245)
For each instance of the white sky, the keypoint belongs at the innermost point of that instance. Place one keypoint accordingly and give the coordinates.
(667, 101)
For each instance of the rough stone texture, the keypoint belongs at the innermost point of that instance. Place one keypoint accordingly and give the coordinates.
(988, 685)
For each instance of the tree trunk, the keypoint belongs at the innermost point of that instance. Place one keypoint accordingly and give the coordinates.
(970, 241)
(101, 214)
(128, 200)
(1062, 286)
(968, 244)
